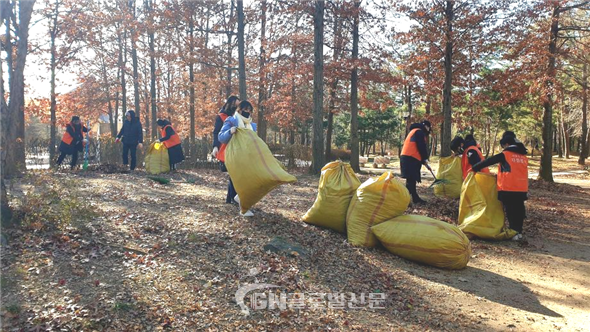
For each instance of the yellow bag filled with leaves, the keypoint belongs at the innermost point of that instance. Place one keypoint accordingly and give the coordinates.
(449, 169)
(375, 201)
(425, 240)
(337, 185)
(480, 212)
(253, 169)
(156, 159)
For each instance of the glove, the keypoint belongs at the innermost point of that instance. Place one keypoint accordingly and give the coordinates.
(140, 146)
(233, 130)
(117, 140)
(425, 162)
(214, 152)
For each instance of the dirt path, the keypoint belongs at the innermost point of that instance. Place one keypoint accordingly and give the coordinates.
(172, 257)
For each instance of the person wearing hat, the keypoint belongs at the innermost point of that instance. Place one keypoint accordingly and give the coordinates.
(132, 137)
(471, 155)
(172, 142)
(512, 181)
(457, 145)
(72, 141)
(414, 155)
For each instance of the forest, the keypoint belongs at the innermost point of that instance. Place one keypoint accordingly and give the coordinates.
(329, 80)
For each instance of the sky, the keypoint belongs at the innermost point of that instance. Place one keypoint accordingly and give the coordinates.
(37, 74)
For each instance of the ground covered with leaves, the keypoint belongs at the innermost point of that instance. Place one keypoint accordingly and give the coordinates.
(110, 251)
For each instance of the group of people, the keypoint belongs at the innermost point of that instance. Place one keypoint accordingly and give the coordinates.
(131, 135)
(233, 115)
(512, 178)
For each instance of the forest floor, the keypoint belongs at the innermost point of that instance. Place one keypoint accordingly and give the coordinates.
(110, 251)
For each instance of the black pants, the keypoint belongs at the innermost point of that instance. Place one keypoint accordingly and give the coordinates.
(411, 185)
(63, 155)
(231, 192)
(133, 149)
(515, 212)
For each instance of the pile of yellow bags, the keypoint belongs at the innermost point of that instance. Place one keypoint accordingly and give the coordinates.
(338, 184)
(425, 240)
(449, 168)
(156, 159)
(480, 212)
(252, 168)
(375, 201)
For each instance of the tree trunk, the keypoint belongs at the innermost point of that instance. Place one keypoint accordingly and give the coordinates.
(228, 86)
(262, 73)
(448, 84)
(566, 139)
(584, 137)
(354, 135)
(191, 76)
(53, 65)
(153, 99)
(122, 63)
(333, 88)
(13, 123)
(136, 91)
(318, 88)
(546, 168)
(409, 107)
(241, 51)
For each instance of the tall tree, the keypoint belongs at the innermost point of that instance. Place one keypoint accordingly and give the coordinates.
(318, 88)
(241, 51)
(354, 135)
(134, 35)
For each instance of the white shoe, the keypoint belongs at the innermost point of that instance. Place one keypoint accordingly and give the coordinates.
(247, 214)
(517, 237)
(237, 199)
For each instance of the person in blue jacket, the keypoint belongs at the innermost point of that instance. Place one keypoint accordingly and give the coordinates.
(242, 119)
(132, 135)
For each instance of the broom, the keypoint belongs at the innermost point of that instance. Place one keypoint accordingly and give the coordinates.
(85, 166)
(436, 181)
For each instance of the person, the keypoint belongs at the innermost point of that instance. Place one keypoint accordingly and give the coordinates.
(228, 110)
(172, 142)
(414, 155)
(241, 119)
(471, 156)
(132, 134)
(512, 181)
(457, 145)
(72, 141)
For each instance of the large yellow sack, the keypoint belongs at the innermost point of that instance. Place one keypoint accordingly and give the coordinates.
(156, 159)
(480, 212)
(337, 185)
(375, 201)
(425, 240)
(253, 169)
(449, 168)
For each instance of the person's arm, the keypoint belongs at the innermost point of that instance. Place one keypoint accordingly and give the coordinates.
(499, 158)
(140, 133)
(84, 129)
(226, 131)
(216, 130)
(473, 157)
(169, 133)
(120, 134)
(419, 139)
(254, 126)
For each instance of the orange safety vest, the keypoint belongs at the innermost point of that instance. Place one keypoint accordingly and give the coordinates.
(174, 140)
(411, 148)
(221, 152)
(67, 138)
(466, 166)
(514, 176)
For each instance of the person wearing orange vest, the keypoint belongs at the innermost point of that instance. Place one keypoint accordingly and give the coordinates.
(172, 142)
(414, 155)
(512, 180)
(228, 110)
(72, 141)
(471, 155)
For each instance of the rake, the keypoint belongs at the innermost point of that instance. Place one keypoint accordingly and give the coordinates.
(436, 181)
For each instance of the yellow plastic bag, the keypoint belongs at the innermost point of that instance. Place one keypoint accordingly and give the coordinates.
(337, 185)
(425, 240)
(480, 212)
(252, 168)
(375, 201)
(449, 168)
(156, 159)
